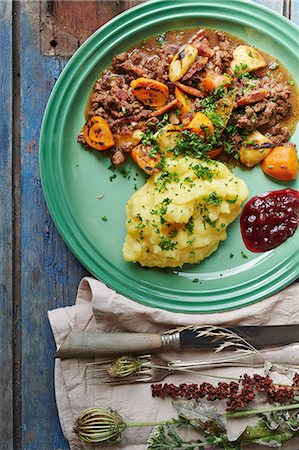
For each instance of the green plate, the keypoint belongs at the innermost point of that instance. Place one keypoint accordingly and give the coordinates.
(73, 178)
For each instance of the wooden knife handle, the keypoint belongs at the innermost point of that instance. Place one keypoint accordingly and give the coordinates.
(89, 344)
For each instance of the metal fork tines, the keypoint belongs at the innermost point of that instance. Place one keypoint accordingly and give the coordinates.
(127, 369)
(154, 368)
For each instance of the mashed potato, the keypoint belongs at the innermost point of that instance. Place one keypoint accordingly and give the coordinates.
(181, 214)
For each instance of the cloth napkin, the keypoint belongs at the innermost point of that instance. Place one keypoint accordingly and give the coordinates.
(99, 308)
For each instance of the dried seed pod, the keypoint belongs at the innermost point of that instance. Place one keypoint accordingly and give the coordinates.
(124, 367)
(181, 62)
(96, 425)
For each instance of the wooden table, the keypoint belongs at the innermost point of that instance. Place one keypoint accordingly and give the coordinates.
(37, 270)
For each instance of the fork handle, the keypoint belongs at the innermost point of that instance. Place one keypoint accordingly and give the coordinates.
(89, 344)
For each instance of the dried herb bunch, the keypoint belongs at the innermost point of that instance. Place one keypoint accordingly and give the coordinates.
(277, 425)
(125, 366)
(237, 394)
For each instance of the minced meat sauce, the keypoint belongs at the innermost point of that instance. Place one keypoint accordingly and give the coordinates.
(274, 115)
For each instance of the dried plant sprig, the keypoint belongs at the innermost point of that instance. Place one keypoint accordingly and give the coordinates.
(98, 425)
(229, 339)
(125, 366)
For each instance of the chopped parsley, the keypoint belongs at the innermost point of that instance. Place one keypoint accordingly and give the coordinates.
(207, 220)
(167, 244)
(232, 200)
(213, 199)
(161, 39)
(190, 225)
(165, 178)
(203, 172)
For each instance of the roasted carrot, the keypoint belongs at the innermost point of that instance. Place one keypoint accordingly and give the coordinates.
(215, 152)
(214, 80)
(282, 163)
(189, 89)
(142, 157)
(201, 125)
(165, 108)
(185, 105)
(97, 134)
(150, 92)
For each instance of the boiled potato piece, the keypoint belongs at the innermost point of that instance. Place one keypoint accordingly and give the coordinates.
(254, 149)
(167, 136)
(246, 59)
(181, 62)
(133, 138)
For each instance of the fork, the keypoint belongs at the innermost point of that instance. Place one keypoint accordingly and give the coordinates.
(154, 368)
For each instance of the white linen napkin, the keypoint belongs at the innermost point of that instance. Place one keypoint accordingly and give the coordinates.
(98, 307)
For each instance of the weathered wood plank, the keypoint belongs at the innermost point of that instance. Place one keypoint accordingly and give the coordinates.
(6, 294)
(62, 27)
(50, 273)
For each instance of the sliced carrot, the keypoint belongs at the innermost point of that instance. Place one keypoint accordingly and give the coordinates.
(185, 105)
(214, 80)
(150, 92)
(282, 163)
(165, 108)
(189, 89)
(215, 152)
(201, 125)
(142, 157)
(97, 134)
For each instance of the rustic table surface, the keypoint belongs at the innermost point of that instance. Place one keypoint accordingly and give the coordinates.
(37, 271)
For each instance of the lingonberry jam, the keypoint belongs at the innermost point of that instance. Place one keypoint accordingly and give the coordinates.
(269, 219)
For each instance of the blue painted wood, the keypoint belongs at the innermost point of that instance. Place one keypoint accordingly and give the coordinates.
(49, 273)
(6, 305)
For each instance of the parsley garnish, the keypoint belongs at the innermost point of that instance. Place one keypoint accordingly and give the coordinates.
(203, 172)
(213, 199)
(161, 39)
(167, 244)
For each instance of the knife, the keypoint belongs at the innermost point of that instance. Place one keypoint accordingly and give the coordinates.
(89, 344)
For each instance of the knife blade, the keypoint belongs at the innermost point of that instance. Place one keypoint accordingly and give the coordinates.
(89, 344)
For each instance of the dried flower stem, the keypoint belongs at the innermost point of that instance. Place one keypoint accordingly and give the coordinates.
(253, 412)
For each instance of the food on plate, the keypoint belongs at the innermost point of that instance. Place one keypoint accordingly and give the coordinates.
(181, 214)
(194, 99)
(267, 220)
(282, 163)
(97, 134)
(150, 92)
(255, 148)
(176, 78)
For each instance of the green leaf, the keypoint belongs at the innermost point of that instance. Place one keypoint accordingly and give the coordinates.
(200, 415)
(166, 437)
(261, 434)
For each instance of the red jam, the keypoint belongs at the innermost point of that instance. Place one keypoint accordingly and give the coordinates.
(269, 219)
